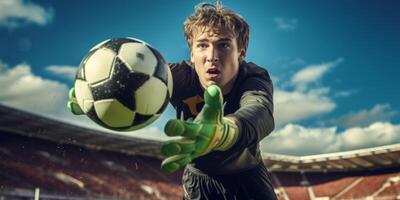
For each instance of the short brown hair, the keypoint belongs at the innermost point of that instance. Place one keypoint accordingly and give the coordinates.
(218, 18)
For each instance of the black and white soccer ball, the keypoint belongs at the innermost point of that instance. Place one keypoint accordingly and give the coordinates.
(123, 84)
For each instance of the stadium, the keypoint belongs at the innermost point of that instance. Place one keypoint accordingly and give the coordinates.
(47, 159)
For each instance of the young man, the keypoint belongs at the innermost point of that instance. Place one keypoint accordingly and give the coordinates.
(220, 147)
(230, 102)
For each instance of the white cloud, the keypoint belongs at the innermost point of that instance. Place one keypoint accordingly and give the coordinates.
(22, 89)
(286, 24)
(14, 13)
(298, 140)
(64, 71)
(292, 106)
(297, 100)
(376, 134)
(380, 112)
(312, 74)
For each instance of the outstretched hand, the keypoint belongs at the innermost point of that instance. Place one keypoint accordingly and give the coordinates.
(209, 131)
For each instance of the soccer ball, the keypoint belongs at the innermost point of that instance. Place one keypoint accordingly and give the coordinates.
(123, 84)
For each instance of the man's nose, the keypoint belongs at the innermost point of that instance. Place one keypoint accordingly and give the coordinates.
(212, 54)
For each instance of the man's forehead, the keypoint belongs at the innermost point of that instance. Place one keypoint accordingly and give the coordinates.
(203, 33)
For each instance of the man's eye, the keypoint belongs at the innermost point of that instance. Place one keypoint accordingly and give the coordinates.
(202, 45)
(225, 45)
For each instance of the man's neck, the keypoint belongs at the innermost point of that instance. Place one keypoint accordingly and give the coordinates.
(229, 86)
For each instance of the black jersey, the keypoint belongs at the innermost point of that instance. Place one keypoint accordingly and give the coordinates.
(249, 101)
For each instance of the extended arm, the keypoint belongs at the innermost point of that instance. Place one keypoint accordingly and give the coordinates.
(255, 115)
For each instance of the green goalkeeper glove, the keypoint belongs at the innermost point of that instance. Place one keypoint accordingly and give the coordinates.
(72, 104)
(210, 131)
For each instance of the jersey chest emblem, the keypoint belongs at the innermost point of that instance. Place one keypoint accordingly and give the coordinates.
(192, 102)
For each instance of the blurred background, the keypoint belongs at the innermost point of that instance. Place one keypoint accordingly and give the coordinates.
(334, 66)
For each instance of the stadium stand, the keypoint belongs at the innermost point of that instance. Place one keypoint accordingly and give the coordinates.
(337, 176)
(367, 185)
(391, 188)
(331, 184)
(71, 170)
(294, 185)
(63, 161)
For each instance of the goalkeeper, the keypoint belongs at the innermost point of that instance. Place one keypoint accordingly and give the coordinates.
(225, 108)
(220, 146)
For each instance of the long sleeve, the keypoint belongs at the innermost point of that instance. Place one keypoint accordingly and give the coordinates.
(255, 115)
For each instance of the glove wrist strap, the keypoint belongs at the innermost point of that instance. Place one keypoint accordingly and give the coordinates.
(229, 137)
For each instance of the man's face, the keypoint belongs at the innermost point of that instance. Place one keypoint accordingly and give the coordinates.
(215, 56)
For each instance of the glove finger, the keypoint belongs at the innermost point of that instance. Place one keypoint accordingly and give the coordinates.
(74, 108)
(173, 163)
(176, 127)
(71, 94)
(72, 104)
(179, 146)
(213, 105)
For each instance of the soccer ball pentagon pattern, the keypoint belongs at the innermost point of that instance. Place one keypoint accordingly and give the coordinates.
(123, 84)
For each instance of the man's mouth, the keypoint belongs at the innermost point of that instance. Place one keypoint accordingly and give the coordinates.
(213, 71)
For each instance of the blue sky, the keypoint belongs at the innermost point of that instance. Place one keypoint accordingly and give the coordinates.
(334, 63)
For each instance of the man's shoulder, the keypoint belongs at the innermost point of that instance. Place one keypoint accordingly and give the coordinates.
(183, 65)
(184, 80)
(182, 72)
(252, 70)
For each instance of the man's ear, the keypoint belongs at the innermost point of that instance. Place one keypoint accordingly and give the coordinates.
(191, 57)
(242, 55)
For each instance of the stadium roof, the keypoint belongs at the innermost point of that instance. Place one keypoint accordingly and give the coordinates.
(25, 123)
(356, 160)
(32, 125)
